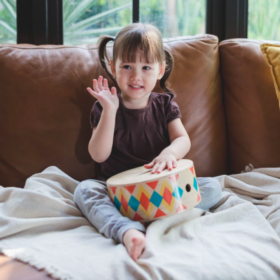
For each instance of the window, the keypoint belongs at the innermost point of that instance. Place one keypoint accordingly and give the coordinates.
(175, 18)
(84, 21)
(8, 22)
(264, 19)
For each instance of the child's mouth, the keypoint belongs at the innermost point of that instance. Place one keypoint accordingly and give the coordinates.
(135, 87)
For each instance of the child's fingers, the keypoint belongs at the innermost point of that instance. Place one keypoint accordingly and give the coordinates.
(93, 93)
(161, 167)
(113, 90)
(156, 167)
(100, 79)
(169, 165)
(149, 165)
(95, 85)
(105, 84)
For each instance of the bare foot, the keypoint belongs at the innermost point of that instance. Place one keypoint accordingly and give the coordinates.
(135, 242)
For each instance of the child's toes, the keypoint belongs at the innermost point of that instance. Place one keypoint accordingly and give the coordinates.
(137, 248)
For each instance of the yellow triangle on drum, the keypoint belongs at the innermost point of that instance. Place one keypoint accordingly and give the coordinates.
(111, 194)
(130, 188)
(152, 184)
(141, 190)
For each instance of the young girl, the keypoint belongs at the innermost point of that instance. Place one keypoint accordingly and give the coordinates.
(132, 128)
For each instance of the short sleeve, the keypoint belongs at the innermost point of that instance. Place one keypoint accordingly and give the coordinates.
(95, 114)
(172, 110)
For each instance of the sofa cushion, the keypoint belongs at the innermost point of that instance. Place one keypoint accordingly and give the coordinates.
(272, 55)
(252, 113)
(45, 107)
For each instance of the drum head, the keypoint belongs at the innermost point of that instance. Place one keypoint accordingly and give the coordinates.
(141, 174)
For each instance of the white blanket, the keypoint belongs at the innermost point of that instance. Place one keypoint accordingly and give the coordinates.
(240, 239)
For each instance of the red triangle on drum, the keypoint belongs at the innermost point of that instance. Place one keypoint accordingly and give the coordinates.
(174, 178)
(113, 189)
(137, 217)
(152, 184)
(181, 207)
(130, 188)
(198, 198)
(124, 203)
(159, 213)
(191, 169)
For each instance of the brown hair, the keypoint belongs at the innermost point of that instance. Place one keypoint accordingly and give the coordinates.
(145, 38)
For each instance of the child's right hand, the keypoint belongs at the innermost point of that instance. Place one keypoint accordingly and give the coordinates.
(108, 99)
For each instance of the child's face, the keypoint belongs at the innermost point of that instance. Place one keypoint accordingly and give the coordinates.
(137, 79)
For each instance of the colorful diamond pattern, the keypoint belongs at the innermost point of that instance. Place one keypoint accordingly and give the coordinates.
(156, 199)
(133, 203)
(166, 192)
(146, 203)
(124, 203)
(167, 195)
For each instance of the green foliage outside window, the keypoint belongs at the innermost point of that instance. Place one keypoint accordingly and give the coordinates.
(85, 20)
(8, 22)
(264, 20)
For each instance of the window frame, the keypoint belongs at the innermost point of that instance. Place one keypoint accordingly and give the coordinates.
(41, 21)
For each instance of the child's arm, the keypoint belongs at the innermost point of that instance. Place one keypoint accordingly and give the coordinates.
(101, 142)
(179, 147)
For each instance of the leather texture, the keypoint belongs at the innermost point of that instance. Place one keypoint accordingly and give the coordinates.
(15, 270)
(251, 105)
(45, 107)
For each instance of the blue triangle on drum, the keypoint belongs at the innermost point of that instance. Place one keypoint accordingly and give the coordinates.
(195, 183)
(156, 199)
(133, 203)
(178, 192)
(117, 203)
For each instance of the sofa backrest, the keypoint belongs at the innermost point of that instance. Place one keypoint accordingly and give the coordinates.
(252, 110)
(44, 108)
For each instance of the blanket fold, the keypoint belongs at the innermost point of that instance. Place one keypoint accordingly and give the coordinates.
(238, 239)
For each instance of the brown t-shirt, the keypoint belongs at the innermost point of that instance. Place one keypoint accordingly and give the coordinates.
(140, 134)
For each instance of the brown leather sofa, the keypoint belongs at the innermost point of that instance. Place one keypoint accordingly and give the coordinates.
(225, 92)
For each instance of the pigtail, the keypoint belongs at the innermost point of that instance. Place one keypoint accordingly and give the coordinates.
(103, 56)
(169, 66)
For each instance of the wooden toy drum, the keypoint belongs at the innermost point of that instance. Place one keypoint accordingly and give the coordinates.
(142, 196)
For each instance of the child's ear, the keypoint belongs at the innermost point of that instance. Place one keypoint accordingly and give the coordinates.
(162, 70)
(113, 69)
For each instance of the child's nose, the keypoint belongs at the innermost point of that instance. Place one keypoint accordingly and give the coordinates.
(135, 75)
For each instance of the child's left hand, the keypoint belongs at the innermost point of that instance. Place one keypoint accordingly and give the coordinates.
(164, 160)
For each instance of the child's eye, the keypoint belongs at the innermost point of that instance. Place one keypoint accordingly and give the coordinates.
(146, 68)
(126, 67)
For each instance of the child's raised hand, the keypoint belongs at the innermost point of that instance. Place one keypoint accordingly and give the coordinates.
(165, 160)
(108, 99)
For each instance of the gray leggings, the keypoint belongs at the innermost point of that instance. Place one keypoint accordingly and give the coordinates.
(91, 196)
